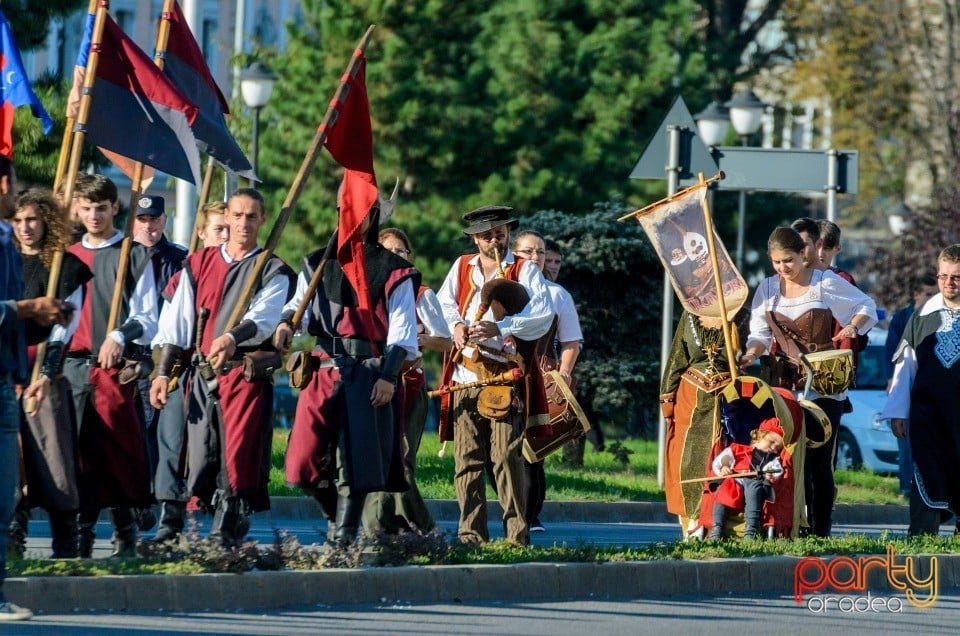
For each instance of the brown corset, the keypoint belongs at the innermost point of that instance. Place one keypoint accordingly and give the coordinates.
(810, 332)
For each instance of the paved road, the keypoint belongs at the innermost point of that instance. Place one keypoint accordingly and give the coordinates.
(571, 533)
(732, 614)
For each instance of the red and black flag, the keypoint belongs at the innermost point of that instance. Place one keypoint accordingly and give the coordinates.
(138, 113)
(186, 67)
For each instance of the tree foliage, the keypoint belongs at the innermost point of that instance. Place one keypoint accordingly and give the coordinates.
(614, 276)
(734, 50)
(532, 103)
(869, 94)
(30, 19)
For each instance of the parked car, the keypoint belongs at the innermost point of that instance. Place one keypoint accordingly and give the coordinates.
(865, 440)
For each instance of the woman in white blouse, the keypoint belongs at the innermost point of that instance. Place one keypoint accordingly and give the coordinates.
(793, 313)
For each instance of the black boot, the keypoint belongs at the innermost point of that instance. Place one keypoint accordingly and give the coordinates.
(86, 535)
(719, 518)
(327, 498)
(87, 522)
(17, 537)
(349, 511)
(146, 518)
(124, 533)
(230, 521)
(64, 528)
(172, 517)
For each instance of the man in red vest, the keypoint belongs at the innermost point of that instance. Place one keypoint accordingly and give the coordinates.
(480, 434)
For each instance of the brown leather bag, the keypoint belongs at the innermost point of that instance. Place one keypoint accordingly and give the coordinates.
(494, 401)
(300, 367)
(134, 369)
(260, 364)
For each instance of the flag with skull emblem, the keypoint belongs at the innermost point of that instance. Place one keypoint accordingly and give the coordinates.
(677, 229)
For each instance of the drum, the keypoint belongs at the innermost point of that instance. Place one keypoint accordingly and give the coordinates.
(833, 370)
(566, 419)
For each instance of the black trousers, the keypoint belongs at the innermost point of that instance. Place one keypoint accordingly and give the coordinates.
(821, 492)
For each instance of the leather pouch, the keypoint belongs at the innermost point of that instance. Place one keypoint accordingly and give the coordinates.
(300, 367)
(259, 365)
(494, 401)
(133, 370)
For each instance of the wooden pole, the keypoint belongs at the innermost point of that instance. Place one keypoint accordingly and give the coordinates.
(681, 193)
(201, 202)
(715, 261)
(755, 473)
(73, 166)
(63, 159)
(299, 182)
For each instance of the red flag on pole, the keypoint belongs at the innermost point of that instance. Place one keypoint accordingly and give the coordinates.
(350, 142)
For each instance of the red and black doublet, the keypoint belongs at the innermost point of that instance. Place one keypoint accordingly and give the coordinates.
(229, 431)
(113, 461)
(334, 416)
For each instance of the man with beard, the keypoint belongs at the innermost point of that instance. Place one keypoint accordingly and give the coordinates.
(465, 415)
(923, 389)
(229, 408)
(48, 439)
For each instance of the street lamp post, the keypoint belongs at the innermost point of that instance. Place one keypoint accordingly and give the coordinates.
(746, 115)
(256, 85)
(713, 122)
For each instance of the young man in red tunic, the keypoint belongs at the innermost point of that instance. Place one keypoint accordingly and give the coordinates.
(229, 416)
(113, 468)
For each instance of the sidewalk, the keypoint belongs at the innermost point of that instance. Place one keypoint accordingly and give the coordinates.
(533, 581)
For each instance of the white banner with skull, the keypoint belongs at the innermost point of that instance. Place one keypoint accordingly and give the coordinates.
(677, 229)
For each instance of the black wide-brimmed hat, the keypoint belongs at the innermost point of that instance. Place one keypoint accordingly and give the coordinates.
(487, 218)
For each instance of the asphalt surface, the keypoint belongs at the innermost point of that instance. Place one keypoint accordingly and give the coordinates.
(722, 614)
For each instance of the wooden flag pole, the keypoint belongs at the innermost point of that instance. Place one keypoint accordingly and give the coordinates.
(682, 193)
(724, 319)
(56, 265)
(299, 182)
(753, 473)
(201, 202)
(62, 160)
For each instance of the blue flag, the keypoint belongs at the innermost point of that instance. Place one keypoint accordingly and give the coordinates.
(15, 90)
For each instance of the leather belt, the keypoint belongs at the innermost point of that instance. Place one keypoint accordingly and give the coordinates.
(355, 347)
(338, 362)
(708, 383)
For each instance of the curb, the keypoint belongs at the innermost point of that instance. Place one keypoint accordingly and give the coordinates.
(430, 584)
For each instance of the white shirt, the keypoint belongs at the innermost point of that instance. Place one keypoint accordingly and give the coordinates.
(401, 314)
(826, 291)
(897, 405)
(568, 321)
(430, 314)
(179, 317)
(529, 324)
(143, 306)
